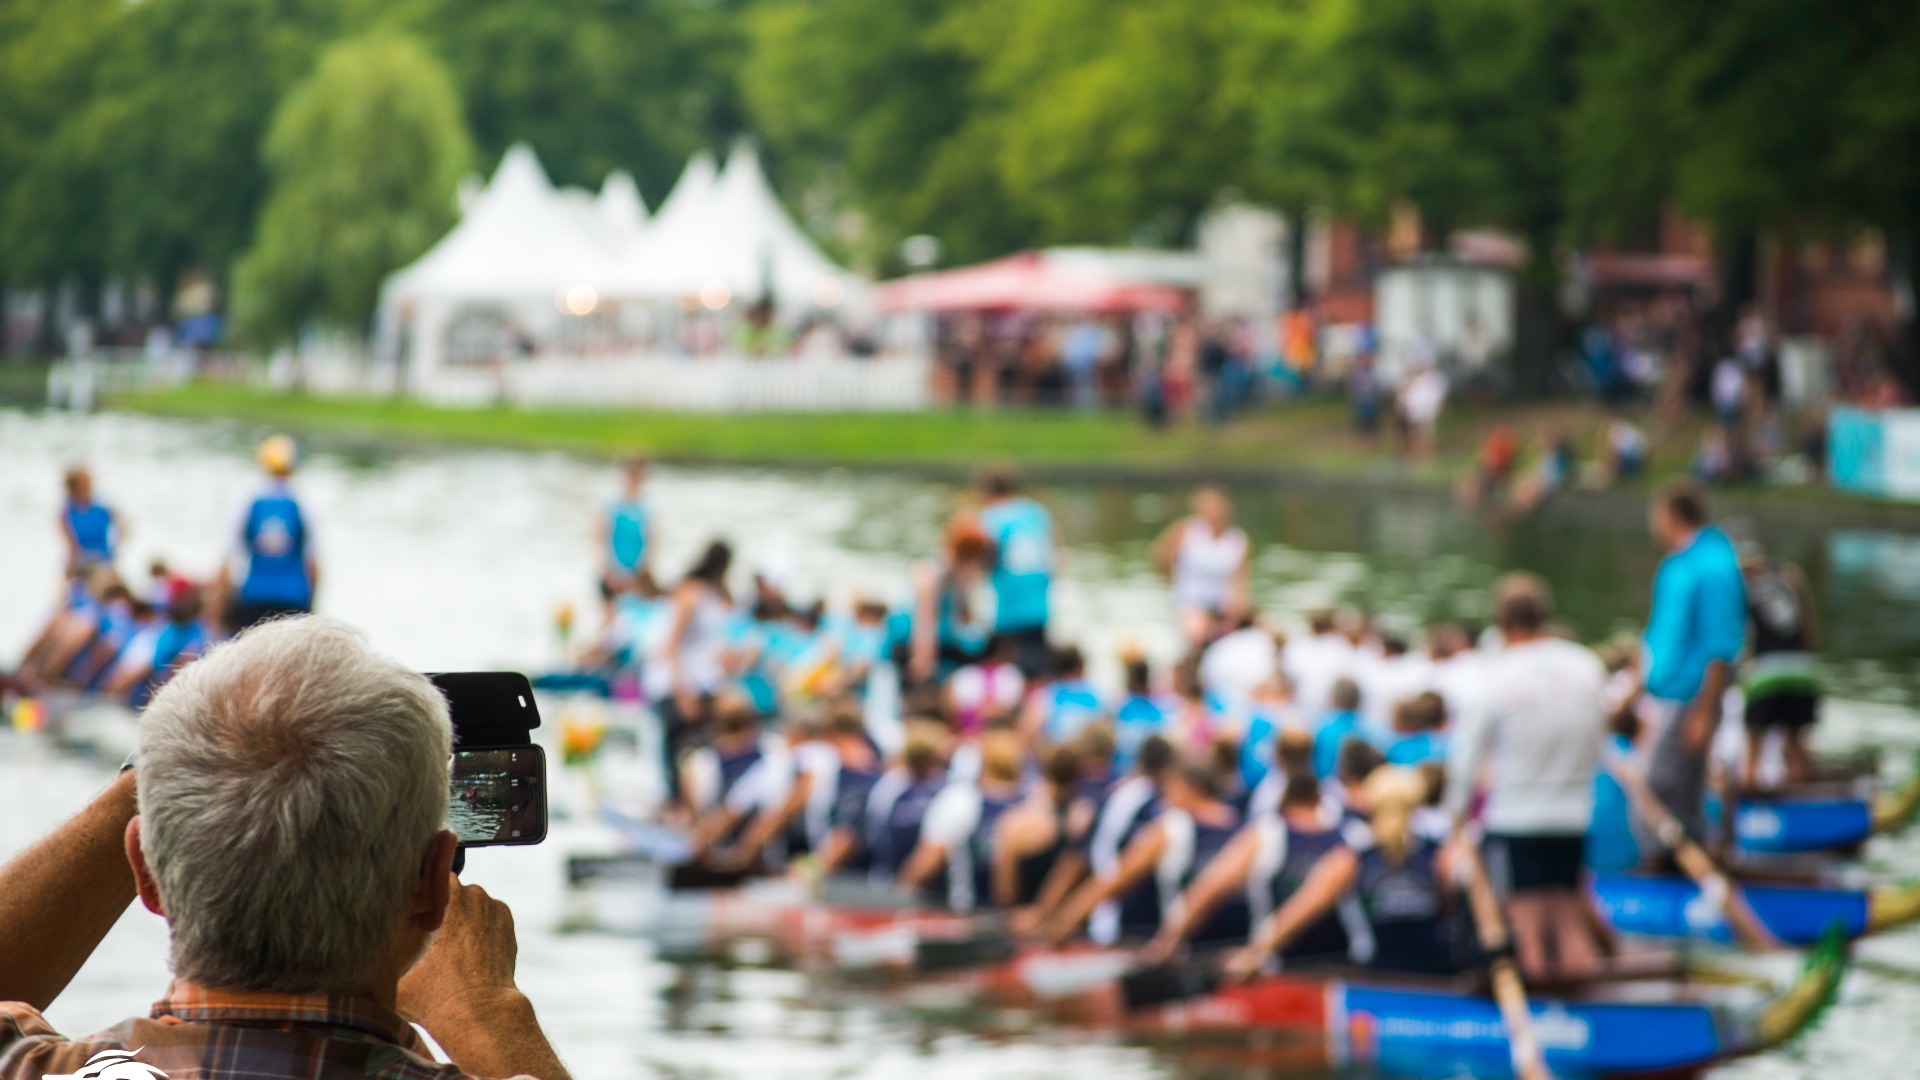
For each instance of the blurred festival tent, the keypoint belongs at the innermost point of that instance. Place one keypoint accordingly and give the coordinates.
(725, 237)
(1064, 280)
(518, 241)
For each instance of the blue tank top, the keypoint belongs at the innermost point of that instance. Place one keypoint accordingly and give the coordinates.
(1231, 922)
(1134, 719)
(1403, 908)
(276, 543)
(1140, 906)
(627, 533)
(897, 832)
(849, 811)
(92, 527)
(1022, 532)
(1325, 938)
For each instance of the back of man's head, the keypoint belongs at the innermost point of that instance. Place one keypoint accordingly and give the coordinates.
(1522, 603)
(290, 785)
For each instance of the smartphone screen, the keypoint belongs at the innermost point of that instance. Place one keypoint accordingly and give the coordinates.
(498, 796)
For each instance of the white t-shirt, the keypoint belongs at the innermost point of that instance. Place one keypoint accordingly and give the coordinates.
(1232, 666)
(1204, 567)
(1314, 664)
(1540, 733)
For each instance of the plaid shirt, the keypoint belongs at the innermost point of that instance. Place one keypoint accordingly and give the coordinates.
(200, 1034)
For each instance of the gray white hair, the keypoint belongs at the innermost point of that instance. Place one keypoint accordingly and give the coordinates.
(290, 783)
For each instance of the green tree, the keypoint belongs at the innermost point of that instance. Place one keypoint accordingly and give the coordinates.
(365, 155)
(865, 105)
(592, 85)
(1107, 121)
(151, 165)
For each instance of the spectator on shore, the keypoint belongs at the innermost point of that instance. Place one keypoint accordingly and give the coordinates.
(1421, 399)
(288, 816)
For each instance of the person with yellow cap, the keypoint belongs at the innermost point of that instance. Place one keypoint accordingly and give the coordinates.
(273, 554)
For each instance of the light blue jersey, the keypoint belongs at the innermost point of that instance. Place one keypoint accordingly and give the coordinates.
(627, 533)
(1022, 532)
(275, 539)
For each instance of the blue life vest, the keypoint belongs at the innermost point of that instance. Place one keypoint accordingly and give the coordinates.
(92, 527)
(1022, 532)
(276, 543)
(1256, 748)
(1416, 749)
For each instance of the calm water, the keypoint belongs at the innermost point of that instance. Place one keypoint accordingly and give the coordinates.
(457, 559)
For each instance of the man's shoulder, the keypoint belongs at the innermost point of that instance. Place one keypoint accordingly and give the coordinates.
(31, 1049)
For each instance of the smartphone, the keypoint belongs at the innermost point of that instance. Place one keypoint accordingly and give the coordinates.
(498, 795)
(497, 785)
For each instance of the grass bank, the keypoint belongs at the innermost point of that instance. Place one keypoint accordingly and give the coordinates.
(1309, 442)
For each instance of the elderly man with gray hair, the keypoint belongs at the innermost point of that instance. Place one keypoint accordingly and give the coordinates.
(288, 819)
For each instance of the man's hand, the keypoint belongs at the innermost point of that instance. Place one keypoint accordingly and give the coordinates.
(469, 966)
(1697, 735)
(462, 991)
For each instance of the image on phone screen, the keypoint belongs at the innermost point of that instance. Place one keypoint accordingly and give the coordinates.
(497, 796)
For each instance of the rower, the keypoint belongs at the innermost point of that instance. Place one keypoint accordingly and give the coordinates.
(711, 775)
(159, 651)
(1390, 870)
(1263, 867)
(958, 834)
(92, 530)
(1167, 856)
(273, 546)
(1023, 544)
(1118, 817)
(842, 844)
(897, 806)
(1035, 835)
(626, 532)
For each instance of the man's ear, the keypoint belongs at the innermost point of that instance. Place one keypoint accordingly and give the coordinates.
(429, 905)
(143, 877)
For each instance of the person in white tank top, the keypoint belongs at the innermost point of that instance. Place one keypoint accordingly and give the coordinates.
(1204, 556)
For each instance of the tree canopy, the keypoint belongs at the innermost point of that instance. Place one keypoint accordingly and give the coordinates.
(363, 155)
(132, 135)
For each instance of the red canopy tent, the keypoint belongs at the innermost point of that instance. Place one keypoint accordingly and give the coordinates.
(1023, 282)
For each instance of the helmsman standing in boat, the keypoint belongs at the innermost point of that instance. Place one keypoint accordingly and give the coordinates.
(273, 552)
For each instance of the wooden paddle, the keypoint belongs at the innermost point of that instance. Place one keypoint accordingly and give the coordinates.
(1509, 992)
(1694, 861)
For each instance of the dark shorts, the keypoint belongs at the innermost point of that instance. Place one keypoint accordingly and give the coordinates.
(243, 615)
(1787, 711)
(1525, 863)
(1031, 653)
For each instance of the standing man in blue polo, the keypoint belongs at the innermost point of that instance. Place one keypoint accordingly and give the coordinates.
(1023, 563)
(1694, 635)
(273, 547)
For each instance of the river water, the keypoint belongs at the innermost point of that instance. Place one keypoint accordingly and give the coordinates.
(457, 559)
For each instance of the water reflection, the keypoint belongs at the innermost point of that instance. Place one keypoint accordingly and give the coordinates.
(455, 559)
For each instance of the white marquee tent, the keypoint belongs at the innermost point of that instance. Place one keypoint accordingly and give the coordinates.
(728, 238)
(517, 242)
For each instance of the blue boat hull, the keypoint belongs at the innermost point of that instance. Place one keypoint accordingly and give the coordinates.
(1417, 1033)
(1788, 825)
(1671, 907)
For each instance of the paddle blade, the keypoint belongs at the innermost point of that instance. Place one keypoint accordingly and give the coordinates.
(1152, 986)
(954, 954)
